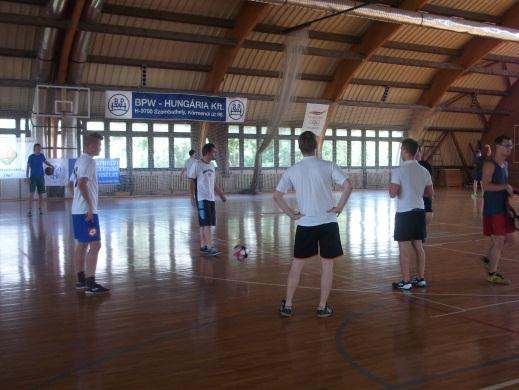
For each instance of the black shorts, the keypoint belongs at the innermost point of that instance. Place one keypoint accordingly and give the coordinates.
(37, 183)
(427, 202)
(207, 213)
(322, 239)
(410, 226)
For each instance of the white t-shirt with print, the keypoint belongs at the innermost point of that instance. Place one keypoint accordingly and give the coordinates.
(204, 174)
(313, 180)
(85, 167)
(412, 179)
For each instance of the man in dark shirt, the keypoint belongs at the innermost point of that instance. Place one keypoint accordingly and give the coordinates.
(35, 175)
(497, 223)
(427, 201)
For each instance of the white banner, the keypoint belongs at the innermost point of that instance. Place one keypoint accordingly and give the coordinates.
(60, 175)
(14, 153)
(315, 118)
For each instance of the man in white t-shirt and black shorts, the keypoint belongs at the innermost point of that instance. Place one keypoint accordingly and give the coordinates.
(410, 183)
(85, 217)
(204, 172)
(317, 233)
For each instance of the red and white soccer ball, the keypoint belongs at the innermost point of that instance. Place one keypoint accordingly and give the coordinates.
(240, 252)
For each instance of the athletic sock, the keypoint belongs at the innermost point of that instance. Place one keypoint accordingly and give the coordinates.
(81, 277)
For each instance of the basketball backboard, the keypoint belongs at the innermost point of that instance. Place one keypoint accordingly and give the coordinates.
(60, 101)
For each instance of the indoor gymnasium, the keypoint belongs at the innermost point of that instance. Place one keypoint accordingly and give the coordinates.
(292, 194)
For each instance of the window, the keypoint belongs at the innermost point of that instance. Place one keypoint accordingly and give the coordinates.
(139, 127)
(95, 126)
(181, 128)
(118, 150)
(9, 123)
(250, 147)
(329, 132)
(267, 157)
(264, 130)
(233, 151)
(140, 152)
(297, 131)
(342, 153)
(181, 148)
(160, 127)
(356, 153)
(397, 134)
(117, 126)
(249, 129)
(298, 156)
(341, 133)
(371, 133)
(284, 153)
(23, 123)
(161, 152)
(371, 153)
(383, 153)
(234, 129)
(395, 154)
(383, 134)
(356, 133)
(285, 131)
(328, 150)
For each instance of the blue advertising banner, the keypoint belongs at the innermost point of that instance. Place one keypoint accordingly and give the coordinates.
(174, 107)
(107, 170)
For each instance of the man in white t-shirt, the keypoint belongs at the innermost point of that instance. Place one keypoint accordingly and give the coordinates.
(187, 166)
(203, 173)
(410, 183)
(85, 218)
(317, 233)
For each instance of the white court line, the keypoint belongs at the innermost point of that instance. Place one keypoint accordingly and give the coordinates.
(502, 385)
(476, 308)
(436, 302)
(455, 242)
(468, 253)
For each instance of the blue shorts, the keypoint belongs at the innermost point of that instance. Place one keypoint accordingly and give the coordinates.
(86, 231)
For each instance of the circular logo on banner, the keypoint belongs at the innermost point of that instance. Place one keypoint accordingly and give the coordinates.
(118, 105)
(236, 110)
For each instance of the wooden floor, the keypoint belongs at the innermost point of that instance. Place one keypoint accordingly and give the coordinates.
(178, 320)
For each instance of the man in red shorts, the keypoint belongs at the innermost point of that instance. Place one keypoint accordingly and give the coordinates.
(497, 223)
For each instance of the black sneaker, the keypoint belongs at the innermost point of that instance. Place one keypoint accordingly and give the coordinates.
(96, 289)
(41, 211)
(212, 251)
(486, 261)
(29, 213)
(418, 282)
(402, 285)
(204, 249)
(285, 311)
(326, 311)
(81, 286)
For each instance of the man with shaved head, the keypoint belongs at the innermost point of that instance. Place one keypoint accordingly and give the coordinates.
(84, 216)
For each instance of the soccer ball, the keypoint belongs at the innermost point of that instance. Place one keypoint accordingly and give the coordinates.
(240, 252)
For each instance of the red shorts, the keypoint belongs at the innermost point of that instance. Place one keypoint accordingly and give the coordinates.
(498, 225)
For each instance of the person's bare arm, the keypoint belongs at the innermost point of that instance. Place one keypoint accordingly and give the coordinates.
(82, 185)
(347, 188)
(394, 190)
(192, 191)
(220, 193)
(429, 191)
(282, 204)
(27, 172)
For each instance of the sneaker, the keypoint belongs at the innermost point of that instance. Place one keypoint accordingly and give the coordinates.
(474, 196)
(81, 286)
(96, 289)
(40, 211)
(327, 311)
(284, 310)
(204, 249)
(485, 261)
(212, 251)
(402, 285)
(419, 282)
(496, 278)
(29, 213)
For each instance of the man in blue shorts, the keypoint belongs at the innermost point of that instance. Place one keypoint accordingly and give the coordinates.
(85, 216)
(36, 176)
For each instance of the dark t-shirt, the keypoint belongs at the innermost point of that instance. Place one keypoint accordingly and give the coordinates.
(35, 162)
(426, 165)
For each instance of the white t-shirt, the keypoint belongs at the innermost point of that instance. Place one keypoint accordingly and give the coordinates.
(85, 167)
(205, 176)
(189, 163)
(313, 180)
(412, 179)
